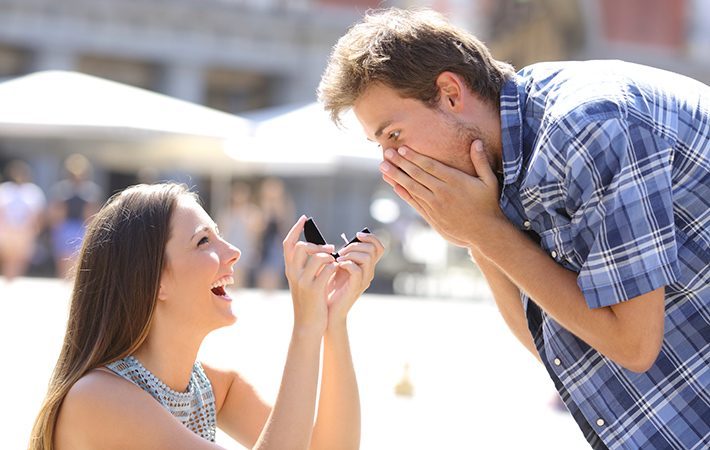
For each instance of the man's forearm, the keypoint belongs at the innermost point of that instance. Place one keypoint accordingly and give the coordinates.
(507, 298)
(555, 290)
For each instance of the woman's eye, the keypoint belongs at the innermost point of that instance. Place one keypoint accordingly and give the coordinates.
(204, 240)
(393, 136)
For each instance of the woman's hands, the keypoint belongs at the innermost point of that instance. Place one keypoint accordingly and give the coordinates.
(322, 289)
(354, 273)
(309, 268)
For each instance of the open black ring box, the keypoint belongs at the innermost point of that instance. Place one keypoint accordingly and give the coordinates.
(313, 235)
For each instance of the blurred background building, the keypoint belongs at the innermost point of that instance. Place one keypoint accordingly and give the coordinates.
(256, 58)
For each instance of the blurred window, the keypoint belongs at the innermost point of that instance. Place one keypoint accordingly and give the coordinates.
(128, 71)
(13, 61)
(645, 22)
(236, 91)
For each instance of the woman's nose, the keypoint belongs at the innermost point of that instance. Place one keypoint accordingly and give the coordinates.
(233, 253)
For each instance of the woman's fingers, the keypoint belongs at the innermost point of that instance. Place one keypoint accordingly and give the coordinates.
(368, 244)
(302, 250)
(324, 276)
(315, 264)
(354, 269)
(292, 236)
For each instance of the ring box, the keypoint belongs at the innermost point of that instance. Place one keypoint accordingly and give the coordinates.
(314, 236)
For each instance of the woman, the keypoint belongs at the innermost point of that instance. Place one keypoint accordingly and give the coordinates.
(21, 211)
(276, 215)
(73, 200)
(149, 288)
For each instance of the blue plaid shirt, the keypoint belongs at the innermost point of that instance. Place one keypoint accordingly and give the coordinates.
(607, 165)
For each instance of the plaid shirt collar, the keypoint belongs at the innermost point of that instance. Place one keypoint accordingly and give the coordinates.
(511, 130)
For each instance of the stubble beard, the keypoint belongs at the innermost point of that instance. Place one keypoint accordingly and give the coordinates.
(466, 134)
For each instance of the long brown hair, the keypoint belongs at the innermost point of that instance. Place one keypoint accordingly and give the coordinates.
(407, 50)
(115, 291)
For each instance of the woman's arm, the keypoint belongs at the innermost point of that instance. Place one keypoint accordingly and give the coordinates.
(289, 424)
(338, 421)
(247, 418)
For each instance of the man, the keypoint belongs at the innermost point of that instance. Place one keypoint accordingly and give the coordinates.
(581, 190)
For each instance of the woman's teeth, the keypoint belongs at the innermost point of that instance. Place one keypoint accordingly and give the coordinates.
(218, 286)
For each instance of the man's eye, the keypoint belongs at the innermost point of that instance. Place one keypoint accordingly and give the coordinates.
(204, 240)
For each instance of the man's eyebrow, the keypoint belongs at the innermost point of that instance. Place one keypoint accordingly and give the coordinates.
(381, 128)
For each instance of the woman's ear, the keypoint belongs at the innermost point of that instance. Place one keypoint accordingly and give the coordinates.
(162, 294)
(451, 91)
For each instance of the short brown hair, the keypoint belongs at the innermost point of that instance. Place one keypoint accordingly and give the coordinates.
(407, 50)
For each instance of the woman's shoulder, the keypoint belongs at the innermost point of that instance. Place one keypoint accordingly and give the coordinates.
(221, 380)
(97, 399)
(99, 389)
(104, 410)
(227, 383)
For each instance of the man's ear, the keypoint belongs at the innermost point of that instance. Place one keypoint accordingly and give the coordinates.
(451, 91)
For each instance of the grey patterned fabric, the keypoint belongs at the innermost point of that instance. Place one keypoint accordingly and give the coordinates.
(195, 407)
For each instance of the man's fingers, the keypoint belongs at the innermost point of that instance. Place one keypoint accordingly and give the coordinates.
(413, 187)
(426, 164)
(412, 168)
(481, 163)
(400, 191)
(404, 195)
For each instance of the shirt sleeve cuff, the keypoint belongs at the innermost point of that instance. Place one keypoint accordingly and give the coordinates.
(629, 288)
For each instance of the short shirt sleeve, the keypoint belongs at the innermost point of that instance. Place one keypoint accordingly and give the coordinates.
(619, 179)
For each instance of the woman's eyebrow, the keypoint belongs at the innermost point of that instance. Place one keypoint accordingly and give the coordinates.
(202, 228)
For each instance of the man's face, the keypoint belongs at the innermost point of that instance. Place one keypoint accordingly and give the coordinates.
(393, 121)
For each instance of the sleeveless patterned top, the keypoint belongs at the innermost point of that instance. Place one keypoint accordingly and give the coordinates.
(195, 407)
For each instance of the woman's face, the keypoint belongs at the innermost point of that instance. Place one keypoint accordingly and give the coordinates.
(199, 266)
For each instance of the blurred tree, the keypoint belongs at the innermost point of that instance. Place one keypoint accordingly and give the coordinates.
(528, 31)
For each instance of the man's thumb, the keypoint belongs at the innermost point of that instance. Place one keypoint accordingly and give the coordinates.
(480, 162)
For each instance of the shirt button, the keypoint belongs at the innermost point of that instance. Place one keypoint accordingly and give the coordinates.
(553, 254)
(557, 361)
(526, 224)
(600, 422)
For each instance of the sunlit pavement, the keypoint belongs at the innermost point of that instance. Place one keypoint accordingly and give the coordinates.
(474, 386)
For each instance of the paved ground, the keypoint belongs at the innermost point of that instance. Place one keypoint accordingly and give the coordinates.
(474, 386)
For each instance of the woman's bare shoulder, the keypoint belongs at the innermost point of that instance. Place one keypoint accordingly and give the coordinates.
(97, 399)
(221, 380)
(104, 410)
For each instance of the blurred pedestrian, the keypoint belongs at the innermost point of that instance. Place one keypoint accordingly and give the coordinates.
(22, 205)
(72, 201)
(240, 223)
(581, 189)
(149, 288)
(277, 212)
